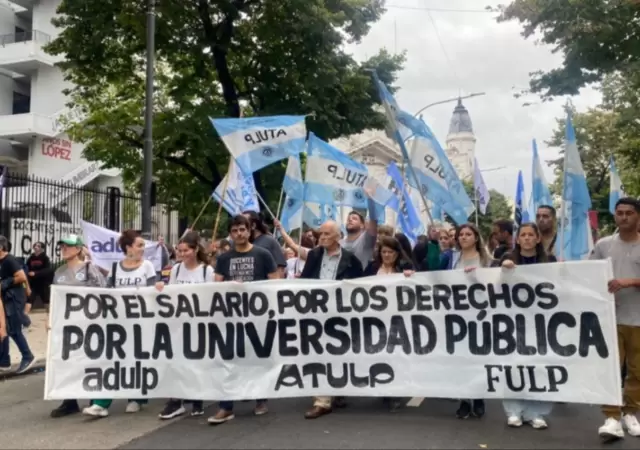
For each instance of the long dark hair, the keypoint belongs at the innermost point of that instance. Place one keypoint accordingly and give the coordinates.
(541, 254)
(192, 240)
(256, 222)
(406, 246)
(394, 245)
(485, 259)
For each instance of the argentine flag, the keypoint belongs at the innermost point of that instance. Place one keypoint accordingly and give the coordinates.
(575, 235)
(256, 142)
(540, 194)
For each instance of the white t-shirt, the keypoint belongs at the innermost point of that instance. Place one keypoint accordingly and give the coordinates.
(185, 276)
(294, 266)
(145, 275)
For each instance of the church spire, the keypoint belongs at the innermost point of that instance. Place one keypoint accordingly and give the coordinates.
(460, 121)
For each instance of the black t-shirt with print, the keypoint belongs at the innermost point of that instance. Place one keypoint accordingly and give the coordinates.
(254, 265)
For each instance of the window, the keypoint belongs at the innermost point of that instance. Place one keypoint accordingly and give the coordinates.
(21, 103)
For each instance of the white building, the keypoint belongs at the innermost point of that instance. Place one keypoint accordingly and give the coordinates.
(461, 142)
(31, 101)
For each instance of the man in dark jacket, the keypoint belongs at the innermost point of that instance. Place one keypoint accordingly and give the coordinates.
(40, 276)
(329, 261)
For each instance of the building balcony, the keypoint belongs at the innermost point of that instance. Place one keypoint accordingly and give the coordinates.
(26, 4)
(23, 52)
(24, 127)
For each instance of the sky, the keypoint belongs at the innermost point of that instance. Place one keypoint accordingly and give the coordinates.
(459, 52)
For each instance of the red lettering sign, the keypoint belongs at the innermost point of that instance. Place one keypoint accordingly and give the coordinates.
(57, 148)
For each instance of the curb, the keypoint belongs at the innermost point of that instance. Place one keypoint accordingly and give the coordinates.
(38, 366)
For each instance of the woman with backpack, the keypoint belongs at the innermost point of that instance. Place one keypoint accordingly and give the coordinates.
(75, 271)
(193, 268)
(132, 271)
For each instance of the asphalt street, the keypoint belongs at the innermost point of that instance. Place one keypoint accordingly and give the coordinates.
(364, 423)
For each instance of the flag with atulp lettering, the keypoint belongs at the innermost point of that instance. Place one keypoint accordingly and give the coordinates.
(256, 142)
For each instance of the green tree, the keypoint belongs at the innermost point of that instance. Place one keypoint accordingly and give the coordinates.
(498, 208)
(215, 58)
(595, 37)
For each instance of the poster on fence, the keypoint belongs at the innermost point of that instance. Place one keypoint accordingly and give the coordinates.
(545, 332)
(103, 246)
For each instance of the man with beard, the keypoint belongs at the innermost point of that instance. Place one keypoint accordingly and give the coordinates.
(260, 237)
(503, 231)
(546, 221)
(361, 237)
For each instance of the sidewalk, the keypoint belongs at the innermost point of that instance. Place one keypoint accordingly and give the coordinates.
(37, 336)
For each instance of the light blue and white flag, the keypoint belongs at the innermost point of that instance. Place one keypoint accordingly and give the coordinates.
(437, 178)
(480, 188)
(520, 214)
(408, 218)
(295, 213)
(241, 192)
(616, 189)
(416, 200)
(256, 142)
(540, 194)
(293, 184)
(574, 242)
(332, 177)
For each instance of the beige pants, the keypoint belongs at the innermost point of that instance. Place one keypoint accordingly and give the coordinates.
(629, 348)
(322, 402)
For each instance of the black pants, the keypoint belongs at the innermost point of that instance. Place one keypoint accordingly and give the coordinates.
(40, 290)
(624, 372)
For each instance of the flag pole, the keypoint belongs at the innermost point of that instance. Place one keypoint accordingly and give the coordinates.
(279, 201)
(563, 207)
(200, 213)
(266, 207)
(224, 194)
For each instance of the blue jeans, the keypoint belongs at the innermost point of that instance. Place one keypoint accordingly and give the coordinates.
(228, 405)
(527, 409)
(14, 327)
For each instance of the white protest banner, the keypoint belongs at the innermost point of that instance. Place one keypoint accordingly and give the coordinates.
(544, 332)
(103, 246)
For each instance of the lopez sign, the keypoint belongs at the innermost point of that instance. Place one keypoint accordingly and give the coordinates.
(57, 148)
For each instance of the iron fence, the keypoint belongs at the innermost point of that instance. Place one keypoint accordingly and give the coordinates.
(40, 210)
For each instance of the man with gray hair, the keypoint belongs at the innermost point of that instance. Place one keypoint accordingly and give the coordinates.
(329, 261)
(12, 281)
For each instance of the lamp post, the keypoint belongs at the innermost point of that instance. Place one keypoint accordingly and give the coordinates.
(147, 156)
(450, 100)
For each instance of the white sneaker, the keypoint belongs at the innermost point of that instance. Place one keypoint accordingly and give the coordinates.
(630, 423)
(514, 421)
(95, 411)
(611, 430)
(133, 407)
(539, 423)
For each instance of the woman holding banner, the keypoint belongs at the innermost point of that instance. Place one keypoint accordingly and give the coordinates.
(133, 270)
(390, 258)
(469, 253)
(193, 268)
(528, 250)
(75, 271)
